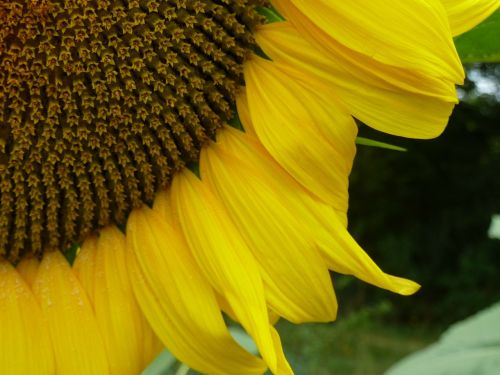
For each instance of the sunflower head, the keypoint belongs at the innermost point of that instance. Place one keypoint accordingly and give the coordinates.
(102, 101)
(103, 105)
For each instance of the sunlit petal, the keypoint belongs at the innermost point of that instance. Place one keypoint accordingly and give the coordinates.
(387, 99)
(225, 259)
(344, 255)
(117, 313)
(411, 34)
(341, 253)
(28, 269)
(25, 346)
(178, 301)
(296, 281)
(293, 129)
(78, 347)
(84, 266)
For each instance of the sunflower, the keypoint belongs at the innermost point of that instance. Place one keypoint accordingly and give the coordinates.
(199, 153)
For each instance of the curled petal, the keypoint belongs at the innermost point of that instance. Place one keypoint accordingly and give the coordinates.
(311, 138)
(178, 301)
(340, 251)
(296, 280)
(224, 258)
(344, 255)
(388, 99)
(411, 34)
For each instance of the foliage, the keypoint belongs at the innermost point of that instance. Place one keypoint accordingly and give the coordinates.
(358, 344)
(481, 44)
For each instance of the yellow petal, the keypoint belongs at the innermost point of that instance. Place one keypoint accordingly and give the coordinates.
(137, 339)
(296, 280)
(117, 313)
(410, 34)
(390, 100)
(178, 301)
(226, 308)
(28, 268)
(341, 253)
(283, 365)
(84, 266)
(344, 255)
(77, 342)
(224, 258)
(311, 137)
(25, 346)
(244, 114)
(463, 15)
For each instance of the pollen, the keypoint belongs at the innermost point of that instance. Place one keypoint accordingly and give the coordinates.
(102, 101)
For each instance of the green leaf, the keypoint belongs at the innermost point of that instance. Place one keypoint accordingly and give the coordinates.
(373, 143)
(271, 14)
(482, 43)
(468, 347)
(243, 339)
(161, 365)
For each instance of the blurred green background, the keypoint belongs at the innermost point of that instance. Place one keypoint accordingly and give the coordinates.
(423, 214)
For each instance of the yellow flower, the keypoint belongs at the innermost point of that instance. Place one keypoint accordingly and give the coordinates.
(108, 106)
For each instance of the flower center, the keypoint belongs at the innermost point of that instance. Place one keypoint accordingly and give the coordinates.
(101, 101)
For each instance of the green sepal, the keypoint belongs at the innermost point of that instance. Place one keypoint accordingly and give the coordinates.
(70, 253)
(270, 14)
(235, 122)
(372, 143)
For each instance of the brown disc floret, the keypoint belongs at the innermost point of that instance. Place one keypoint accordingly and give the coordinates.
(101, 101)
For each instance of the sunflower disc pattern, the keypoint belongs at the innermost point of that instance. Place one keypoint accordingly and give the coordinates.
(102, 101)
